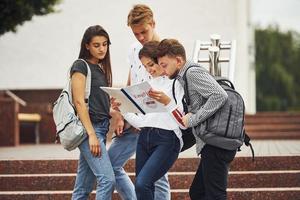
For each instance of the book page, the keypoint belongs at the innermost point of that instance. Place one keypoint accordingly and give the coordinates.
(126, 105)
(139, 93)
(135, 99)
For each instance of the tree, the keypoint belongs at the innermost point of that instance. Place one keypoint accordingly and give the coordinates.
(16, 12)
(277, 70)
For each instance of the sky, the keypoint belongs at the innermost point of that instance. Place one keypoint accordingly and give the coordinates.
(285, 13)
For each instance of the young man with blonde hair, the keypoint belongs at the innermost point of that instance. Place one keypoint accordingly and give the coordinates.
(141, 21)
(206, 97)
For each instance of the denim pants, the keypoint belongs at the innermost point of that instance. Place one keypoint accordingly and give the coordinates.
(120, 151)
(157, 150)
(91, 168)
(210, 181)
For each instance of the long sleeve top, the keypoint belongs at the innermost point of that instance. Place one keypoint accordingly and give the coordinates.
(205, 94)
(170, 120)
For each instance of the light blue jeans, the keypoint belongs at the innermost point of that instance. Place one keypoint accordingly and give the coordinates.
(120, 151)
(91, 168)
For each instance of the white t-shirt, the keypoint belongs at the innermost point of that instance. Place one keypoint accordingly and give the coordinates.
(138, 72)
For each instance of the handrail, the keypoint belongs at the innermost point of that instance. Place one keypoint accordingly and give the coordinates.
(214, 60)
(16, 98)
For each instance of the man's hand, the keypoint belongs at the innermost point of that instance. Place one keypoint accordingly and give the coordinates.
(159, 96)
(119, 126)
(185, 119)
(118, 121)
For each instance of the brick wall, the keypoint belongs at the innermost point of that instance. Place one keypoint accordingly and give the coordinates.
(38, 101)
(9, 127)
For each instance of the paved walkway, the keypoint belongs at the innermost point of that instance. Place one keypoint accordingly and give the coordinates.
(56, 151)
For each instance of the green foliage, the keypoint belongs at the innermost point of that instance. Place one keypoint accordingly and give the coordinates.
(277, 70)
(16, 12)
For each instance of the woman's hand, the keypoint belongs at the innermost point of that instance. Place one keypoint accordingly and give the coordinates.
(159, 96)
(114, 104)
(95, 147)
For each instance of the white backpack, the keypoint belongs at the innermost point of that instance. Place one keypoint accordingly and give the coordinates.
(69, 128)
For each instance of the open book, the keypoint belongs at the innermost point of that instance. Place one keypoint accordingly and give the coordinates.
(135, 99)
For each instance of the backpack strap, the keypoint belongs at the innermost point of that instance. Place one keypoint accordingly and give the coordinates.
(184, 104)
(217, 78)
(186, 89)
(222, 79)
(88, 82)
(173, 91)
(248, 144)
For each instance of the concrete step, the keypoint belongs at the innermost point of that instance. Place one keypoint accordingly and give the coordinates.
(275, 114)
(273, 118)
(250, 120)
(269, 177)
(277, 127)
(274, 125)
(178, 180)
(273, 134)
(233, 194)
(181, 165)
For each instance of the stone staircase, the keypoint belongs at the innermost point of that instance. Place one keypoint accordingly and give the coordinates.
(273, 125)
(267, 178)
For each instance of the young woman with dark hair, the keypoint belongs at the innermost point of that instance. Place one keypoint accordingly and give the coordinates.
(160, 137)
(94, 163)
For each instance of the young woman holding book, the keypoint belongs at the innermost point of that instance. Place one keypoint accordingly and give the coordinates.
(160, 139)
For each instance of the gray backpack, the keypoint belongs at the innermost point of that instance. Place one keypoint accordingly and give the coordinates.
(69, 129)
(225, 128)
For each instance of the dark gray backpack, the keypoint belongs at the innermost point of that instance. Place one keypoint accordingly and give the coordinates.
(225, 128)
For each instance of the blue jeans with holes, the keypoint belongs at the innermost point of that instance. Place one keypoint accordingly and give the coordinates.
(156, 152)
(91, 169)
(120, 151)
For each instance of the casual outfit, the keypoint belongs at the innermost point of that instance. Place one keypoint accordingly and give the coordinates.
(160, 139)
(206, 97)
(91, 168)
(123, 148)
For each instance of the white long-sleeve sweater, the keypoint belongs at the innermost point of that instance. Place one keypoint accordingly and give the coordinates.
(170, 120)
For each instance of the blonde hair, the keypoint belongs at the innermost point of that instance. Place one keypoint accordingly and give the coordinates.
(140, 14)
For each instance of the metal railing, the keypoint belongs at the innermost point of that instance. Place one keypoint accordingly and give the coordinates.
(214, 47)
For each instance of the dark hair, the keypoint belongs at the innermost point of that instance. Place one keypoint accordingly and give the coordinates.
(170, 47)
(149, 50)
(88, 35)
